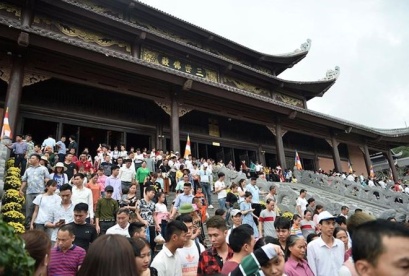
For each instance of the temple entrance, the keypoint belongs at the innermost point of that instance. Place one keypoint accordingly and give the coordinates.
(39, 129)
(137, 141)
(308, 164)
(271, 160)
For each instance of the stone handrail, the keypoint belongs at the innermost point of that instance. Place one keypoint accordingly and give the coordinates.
(391, 201)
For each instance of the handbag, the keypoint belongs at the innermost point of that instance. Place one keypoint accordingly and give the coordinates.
(159, 239)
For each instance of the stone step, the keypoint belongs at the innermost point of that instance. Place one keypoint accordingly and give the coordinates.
(324, 197)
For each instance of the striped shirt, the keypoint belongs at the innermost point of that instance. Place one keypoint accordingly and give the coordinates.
(307, 227)
(65, 263)
(267, 218)
(296, 231)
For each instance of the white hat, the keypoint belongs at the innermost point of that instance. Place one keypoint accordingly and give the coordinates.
(325, 215)
(235, 212)
(205, 164)
(60, 165)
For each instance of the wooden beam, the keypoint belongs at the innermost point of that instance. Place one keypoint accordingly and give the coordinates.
(187, 85)
(23, 39)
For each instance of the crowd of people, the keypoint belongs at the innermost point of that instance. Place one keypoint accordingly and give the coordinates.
(102, 215)
(383, 182)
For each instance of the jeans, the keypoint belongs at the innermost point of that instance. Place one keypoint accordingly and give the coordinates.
(125, 185)
(29, 207)
(105, 225)
(20, 162)
(228, 215)
(222, 203)
(40, 227)
(61, 157)
(163, 225)
(207, 191)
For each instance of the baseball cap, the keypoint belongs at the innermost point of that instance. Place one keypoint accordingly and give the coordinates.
(109, 189)
(325, 215)
(235, 212)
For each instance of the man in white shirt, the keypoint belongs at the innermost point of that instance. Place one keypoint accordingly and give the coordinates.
(167, 262)
(406, 189)
(325, 254)
(188, 162)
(344, 211)
(220, 190)
(122, 225)
(255, 192)
(62, 213)
(127, 176)
(81, 194)
(49, 142)
(302, 203)
(205, 183)
(350, 177)
(190, 253)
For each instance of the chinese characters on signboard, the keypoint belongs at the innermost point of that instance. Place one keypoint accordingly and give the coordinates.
(181, 66)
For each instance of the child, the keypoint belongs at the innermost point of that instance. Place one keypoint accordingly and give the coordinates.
(161, 213)
(296, 227)
(202, 205)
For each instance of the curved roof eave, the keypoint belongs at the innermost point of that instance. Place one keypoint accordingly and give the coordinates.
(313, 88)
(289, 59)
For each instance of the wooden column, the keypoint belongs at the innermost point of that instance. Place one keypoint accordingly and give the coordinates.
(389, 157)
(14, 90)
(280, 146)
(159, 136)
(261, 155)
(174, 124)
(367, 159)
(335, 154)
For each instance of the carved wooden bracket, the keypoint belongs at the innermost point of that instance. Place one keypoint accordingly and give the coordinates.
(166, 107)
(29, 77)
(329, 141)
(272, 128)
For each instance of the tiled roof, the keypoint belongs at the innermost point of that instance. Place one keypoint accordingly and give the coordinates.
(110, 53)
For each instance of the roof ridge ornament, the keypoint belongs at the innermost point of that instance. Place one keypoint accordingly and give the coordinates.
(305, 47)
(332, 74)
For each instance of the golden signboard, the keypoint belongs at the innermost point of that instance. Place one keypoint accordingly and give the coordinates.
(178, 64)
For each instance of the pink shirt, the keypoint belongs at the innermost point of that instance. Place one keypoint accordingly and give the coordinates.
(101, 181)
(295, 268)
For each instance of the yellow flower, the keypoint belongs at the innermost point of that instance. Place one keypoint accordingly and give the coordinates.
(12, 206)
(10, 163)
(288, 215)
(13, 216)
(13, 195)
(13, 169)
(12, 182)
(18, 227)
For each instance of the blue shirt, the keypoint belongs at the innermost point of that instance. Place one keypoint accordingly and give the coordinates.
(204, 176)
(182, 198)
(254, 190)
(35, 178)
(62, 149)
(19, 147)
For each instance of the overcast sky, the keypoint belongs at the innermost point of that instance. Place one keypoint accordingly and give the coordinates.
(367, 39)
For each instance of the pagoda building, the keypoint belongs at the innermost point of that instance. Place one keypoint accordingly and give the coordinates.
(120, 71)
